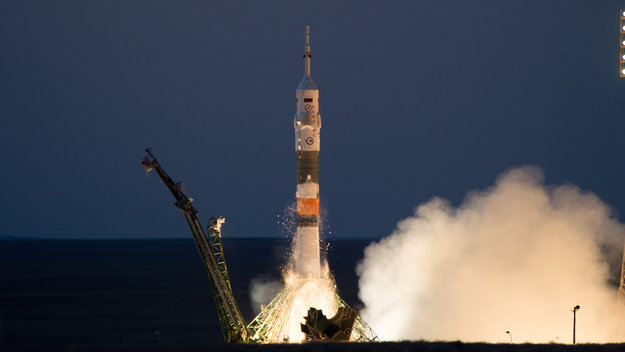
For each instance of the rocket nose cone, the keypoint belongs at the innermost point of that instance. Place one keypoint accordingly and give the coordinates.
(307, 84)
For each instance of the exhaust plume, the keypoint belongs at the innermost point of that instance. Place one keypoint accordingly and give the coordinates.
(515, 257)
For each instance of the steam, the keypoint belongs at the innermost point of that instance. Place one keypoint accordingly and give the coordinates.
(262, 291)
(515, 257)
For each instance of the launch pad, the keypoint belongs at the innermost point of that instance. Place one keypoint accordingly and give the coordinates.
(271, 325)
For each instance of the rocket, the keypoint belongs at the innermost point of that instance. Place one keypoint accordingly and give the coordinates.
(307, 125)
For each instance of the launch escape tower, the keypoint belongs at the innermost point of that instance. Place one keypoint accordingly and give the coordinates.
(269, 325)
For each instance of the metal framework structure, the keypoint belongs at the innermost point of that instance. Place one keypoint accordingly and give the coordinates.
(266, 327)
(622, 44)
(211, 252)
(621, 288)
(361, 332)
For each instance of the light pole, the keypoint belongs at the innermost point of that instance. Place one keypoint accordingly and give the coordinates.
(575, 309)
(508, 332)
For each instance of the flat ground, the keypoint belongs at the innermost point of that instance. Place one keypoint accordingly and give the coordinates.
(417, 346)
(114, 296)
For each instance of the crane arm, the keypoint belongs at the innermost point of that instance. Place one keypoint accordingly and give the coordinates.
(230, 318)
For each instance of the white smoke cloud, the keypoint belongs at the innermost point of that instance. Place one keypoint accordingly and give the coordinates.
(516, 257)
(262, 291)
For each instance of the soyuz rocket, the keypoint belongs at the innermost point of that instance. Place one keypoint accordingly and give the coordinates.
(307, 125)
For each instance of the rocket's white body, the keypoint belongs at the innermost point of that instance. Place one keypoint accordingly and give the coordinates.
(307, 124)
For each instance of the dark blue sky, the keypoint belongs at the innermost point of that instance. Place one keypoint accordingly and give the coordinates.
(418, 99)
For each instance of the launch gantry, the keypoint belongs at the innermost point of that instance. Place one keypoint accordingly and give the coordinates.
(621, 287)
(211, 252)
(266, 327)
(622, 44)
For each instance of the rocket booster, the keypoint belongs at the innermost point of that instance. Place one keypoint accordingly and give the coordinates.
(307, 125)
